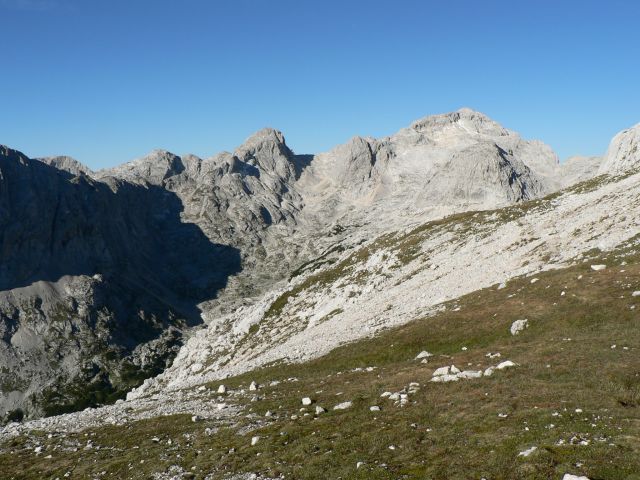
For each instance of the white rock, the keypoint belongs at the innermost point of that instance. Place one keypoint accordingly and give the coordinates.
(441, 371)
(253, 387)
(454, 370)
(527, 452)
(255, 440)
(597, 268)
(374, 408)
(359, 464)
(518, 326)
(534, 280)
(505, 364)
(386, 394)
(222, 389)
(568, 476)
(623, 153)
(423, 354)
(196, 418)
(469, 374)
(445, 378)
(489, 371)
(306, 401)
(343, 406)
(319, 410)
(636, 293)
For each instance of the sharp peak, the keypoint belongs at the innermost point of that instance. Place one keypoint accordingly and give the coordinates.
(158, 152)
(267, 134)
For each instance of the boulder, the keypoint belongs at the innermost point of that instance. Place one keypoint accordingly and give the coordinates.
(343, 406)
(423, 354)
(518, 326)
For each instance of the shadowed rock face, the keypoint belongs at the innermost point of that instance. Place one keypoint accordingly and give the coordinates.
(97, 281)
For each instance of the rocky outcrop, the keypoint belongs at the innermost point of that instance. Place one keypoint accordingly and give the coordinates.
(68, 164)
(232, 195)
(154, 168)
(623, 154)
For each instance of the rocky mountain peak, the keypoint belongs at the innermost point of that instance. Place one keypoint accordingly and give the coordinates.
(155, 168)
(10, 153)
(265, 135)
(267, 150)
(623, 153)
(465, 120)
(68, 164)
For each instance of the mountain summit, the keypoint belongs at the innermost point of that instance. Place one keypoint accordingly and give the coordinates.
(623, 153)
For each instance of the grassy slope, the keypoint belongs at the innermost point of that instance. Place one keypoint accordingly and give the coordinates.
(450, 431)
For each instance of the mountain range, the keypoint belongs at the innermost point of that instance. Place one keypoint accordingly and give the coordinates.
(180, 270)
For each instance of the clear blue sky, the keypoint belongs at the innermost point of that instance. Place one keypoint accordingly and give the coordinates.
(107, 81)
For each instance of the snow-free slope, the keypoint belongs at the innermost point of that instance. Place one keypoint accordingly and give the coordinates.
(407, 274)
